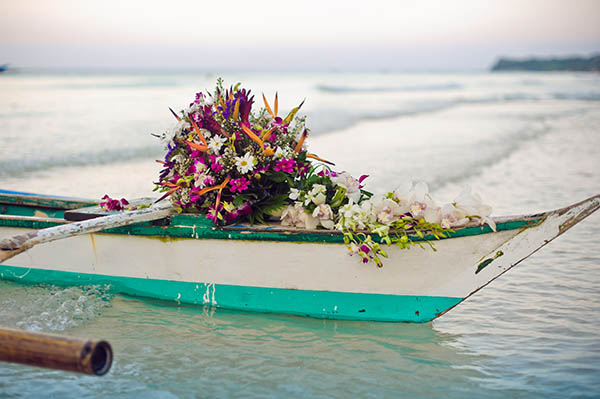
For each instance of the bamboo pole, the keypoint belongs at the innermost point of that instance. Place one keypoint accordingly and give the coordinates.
(12, 246)
(55, 352)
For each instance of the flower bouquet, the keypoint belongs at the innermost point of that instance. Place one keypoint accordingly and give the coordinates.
(231, 163)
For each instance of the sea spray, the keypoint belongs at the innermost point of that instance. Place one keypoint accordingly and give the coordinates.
(39, 308)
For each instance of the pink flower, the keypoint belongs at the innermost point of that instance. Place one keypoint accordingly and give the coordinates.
(327, 172)
(215, 163)
(360, 180)
(209, 181)
(110, 204)
(242, 210)
(214, 213)
(285, 165)
(196, 117)
(199, 98)
(191, 170)
(239, 185)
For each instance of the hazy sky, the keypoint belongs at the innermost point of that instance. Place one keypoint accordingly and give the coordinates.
(310, 34)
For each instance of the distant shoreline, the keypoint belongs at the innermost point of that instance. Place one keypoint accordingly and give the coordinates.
(577, 64)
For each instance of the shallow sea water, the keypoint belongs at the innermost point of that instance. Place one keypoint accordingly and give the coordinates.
(526, 143)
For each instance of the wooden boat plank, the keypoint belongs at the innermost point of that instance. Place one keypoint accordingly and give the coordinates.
(93, 211)
(44, 201)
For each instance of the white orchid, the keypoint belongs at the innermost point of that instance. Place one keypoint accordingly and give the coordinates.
(386, 210)
(178, 158)
(472, 206)
(352, 185)
(294, 194)
(324, 213)
(291, 215)
(168, 138)
(404, 196)
(296, 216)
(422, 205)
(356, 216)
(199, 180)
(310, 222)
(194, 107)
(317, 195)
(453, 217)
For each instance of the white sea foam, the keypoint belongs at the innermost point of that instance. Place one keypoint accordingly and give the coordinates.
(50, 308)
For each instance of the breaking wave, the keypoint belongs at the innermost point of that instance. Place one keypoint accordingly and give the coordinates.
(589, 96)
(23, 165)
(378, 89)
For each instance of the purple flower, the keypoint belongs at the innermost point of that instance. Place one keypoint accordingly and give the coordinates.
(231, 216)
(211, 125)
(285, 165)
(302, 169)
(245, 104)
(169, 152)
(244, 209)
(239, 185)
(262, 169)
(229, 106)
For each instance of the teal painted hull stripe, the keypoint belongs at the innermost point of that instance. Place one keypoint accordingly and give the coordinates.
(319, 304)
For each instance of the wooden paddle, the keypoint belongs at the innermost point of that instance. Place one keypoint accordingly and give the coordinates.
(12, 246)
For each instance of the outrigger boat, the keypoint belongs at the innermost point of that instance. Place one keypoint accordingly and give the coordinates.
(185, 258)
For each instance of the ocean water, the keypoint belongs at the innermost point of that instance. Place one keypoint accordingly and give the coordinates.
(525, 142)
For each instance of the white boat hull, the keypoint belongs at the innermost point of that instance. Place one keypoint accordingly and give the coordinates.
(275, 276)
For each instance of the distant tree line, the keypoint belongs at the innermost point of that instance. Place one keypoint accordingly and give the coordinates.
(549, 64)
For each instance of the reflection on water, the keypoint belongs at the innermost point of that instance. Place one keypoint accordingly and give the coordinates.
(179, 350)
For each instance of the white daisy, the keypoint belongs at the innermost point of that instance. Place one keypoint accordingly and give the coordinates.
(279, 153)
(215, 143)
(245, 164)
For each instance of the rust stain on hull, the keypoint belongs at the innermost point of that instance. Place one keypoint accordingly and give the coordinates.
(593, 206)
(92, 240)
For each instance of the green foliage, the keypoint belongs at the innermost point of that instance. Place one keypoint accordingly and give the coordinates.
(401, 233)
(269, 206)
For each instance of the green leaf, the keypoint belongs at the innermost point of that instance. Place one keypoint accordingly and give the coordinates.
(278, 177)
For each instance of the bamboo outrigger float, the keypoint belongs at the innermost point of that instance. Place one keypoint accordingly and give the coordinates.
(185, 258)
(87, 356)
